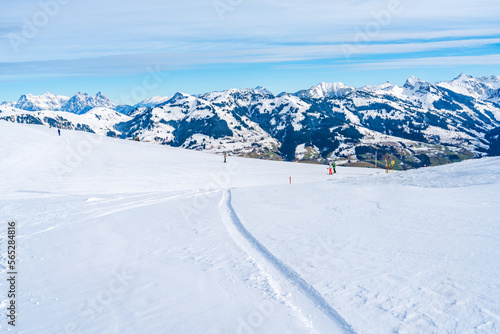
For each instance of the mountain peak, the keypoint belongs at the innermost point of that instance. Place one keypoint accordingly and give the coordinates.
(80, 103)
(326, 89)
(101, 97)
(80, 96)
(48, 94)
(262, 90)
(491, 79)
(413, 81)
(463, 77)
(178, 96)
(378, 88)
(483, 88)
(152, 101)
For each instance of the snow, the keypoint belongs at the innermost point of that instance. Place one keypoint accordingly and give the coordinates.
(78, 104)
(47, 101)
(414, 81)
(183, 107)
(479, 88)
(378, 88)
(242, 97)
(327, 89)
(119, 236)
(152, 101)
(295, 107)
(306, 153)
(410, 108)
(169, 114)
(100, 120)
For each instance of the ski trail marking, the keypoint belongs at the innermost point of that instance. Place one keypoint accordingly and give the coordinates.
(140, 204)
(304, 296)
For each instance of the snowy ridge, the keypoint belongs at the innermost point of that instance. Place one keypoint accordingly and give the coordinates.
(152, 101)
(82, 102)
(485, 88)
(326, 90)
(78, 104)
(47, 101)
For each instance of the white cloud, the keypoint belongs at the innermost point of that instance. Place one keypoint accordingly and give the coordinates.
(484, 60)
(188, 33)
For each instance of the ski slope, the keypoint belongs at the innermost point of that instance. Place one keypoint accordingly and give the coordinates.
(118, 236)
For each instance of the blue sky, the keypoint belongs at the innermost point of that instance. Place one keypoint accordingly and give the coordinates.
(132, 50)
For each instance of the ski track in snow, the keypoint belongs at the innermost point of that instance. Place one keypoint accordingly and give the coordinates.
(305, 298)
(128, 205)
(143, 203)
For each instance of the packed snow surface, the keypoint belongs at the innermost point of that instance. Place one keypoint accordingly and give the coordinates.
(118, 236)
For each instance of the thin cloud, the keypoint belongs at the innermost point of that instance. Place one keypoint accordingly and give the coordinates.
(484, 60)
(118, 38)
(160, 26)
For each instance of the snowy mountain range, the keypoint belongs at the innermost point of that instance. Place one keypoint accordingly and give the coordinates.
(326, 90)
(418, 124)
(486, 88)
(46, 101)
(78, 104)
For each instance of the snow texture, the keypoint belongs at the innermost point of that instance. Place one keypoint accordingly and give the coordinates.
(120, 236)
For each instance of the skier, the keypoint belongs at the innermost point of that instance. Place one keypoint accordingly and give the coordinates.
(59, 131)
(330, 169)
(334, 166)
(225, 155)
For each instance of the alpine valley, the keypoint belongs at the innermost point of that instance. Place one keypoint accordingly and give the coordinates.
(419, 124)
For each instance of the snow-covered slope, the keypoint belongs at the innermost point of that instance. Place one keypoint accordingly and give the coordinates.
(152, 101)
(102, 120)
(485, 88)
(325, 90)
(191, 122)
(97, 120)
(123, 237)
